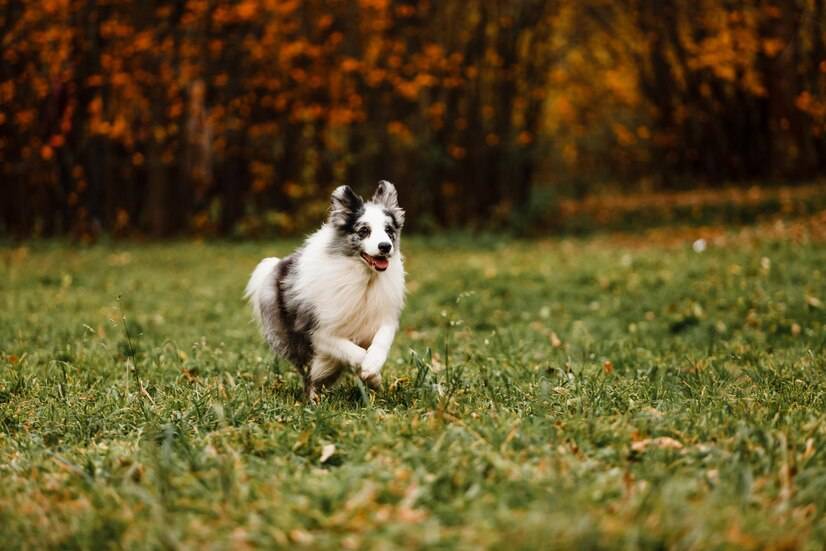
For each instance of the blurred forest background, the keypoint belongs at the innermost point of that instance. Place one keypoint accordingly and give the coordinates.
(211, 117)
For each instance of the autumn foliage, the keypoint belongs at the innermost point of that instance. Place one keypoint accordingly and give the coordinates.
(217, 117)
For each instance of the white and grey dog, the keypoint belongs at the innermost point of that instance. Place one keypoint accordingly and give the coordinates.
(335, 302)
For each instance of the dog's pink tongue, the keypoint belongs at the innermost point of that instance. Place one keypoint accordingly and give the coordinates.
(380, 263)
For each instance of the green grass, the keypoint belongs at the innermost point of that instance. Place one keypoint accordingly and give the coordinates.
(525, 402)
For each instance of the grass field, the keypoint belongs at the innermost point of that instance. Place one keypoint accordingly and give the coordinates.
(587, 394)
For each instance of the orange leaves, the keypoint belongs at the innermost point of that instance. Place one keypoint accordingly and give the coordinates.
(772, 46)
(405, 11)
(293, 189)
(246, 10)
(54, 7)
(408, 89)
(376, 77)
(624, 136)
(378, 5)
(325, 21)
(468, 80)
(6, 91)
(524, 138)
(350, 65)
(143, 41)
(295, 48)
(434, 52)
(400, 131)
(436, 113)
(811, 105)
(24, 118)
(221, 79)
(492, 139)
(263, 175)
(57, 141)
(457, 152)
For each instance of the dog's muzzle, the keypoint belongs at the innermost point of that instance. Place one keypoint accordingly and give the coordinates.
(378, 263)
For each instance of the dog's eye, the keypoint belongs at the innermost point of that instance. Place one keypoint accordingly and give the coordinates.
(389, 230)
(364, 232)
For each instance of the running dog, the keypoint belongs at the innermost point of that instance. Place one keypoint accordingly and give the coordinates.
(334, 303)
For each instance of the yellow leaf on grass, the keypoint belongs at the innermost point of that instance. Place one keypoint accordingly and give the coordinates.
(662, 442)
(302, 439)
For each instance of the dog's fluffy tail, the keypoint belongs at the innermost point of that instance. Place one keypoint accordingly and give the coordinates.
(260, 291)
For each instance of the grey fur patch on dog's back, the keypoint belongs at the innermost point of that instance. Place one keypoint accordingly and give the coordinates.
(289, 322)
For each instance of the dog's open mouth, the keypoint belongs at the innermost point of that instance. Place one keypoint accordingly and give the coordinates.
(378, 263)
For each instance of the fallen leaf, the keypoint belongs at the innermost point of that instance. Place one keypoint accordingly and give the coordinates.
(662, 442)
(608, 367)
(302, 439)
(814, 302)
(810, 449)
(653, 412)
(555, 341)
(301, 537)
(410, 515)
(327, 452)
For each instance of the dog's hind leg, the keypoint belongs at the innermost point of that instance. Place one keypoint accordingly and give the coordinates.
(323, 372)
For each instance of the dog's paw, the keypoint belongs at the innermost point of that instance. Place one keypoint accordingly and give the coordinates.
(371, 369)
(311, 395)
(372, 380)
(372, 363)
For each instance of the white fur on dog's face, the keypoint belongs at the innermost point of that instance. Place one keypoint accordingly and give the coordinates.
(380, 227)
(368, 230)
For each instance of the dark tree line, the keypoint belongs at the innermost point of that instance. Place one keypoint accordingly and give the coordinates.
(216, 117)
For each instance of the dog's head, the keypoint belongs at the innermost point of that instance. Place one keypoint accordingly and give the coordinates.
(369, 230)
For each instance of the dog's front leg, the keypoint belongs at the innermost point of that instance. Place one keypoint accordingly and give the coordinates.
(377, 354)
(339, 349)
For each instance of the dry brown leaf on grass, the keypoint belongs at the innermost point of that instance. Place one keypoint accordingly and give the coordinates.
(662, 442)
(810, 449)
(814, 302)
(653, 412)
(301, 537)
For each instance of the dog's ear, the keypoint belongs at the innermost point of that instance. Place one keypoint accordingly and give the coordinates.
(387, 197)
(343, 203)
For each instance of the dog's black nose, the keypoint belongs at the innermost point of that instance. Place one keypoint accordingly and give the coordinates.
(384, 247)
